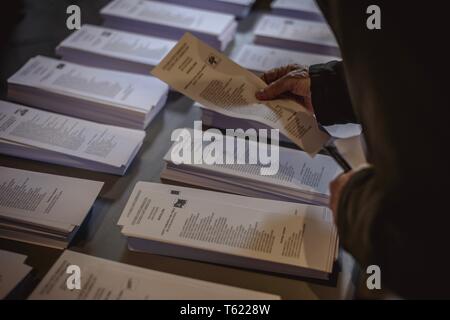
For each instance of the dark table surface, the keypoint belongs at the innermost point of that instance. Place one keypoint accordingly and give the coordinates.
(39, 26)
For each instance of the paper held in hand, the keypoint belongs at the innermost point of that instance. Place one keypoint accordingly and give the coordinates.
(212, 79)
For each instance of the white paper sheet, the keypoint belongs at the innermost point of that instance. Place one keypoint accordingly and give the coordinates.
(120, 89)
(170, 15)
(102, 279)
(119, 44)
(12, 270)
(290, 237)
(71, 136)
(262, 58)
(295, 30)
(42, 196)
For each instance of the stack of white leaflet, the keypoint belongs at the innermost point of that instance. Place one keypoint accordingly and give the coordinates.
(100, 95)
(50, 137)
(265, 235)
(296, 34)
(297, 177)
(170, 21)
(43, 209)
(239, 8)
(261, 58)
(13, 271)
(301, 9)
(112, 49)
(110, 280)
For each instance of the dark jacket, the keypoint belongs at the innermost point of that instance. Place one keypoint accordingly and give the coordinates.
(394, 81)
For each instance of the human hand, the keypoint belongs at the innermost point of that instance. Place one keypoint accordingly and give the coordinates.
(336, 187)
(293, 80)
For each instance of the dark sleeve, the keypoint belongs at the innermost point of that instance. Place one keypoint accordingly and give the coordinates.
(330, 96)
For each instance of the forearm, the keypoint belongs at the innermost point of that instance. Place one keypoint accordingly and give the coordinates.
(329, 92)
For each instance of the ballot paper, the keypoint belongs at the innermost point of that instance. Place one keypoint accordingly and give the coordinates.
(195, 224)
(261, 58)
(112, 49)
(212, 79)
(170, 21)
(296, 34)
(41, 208)
(13, 271)
(110, 97)
(240, 8)
(299, 178)
(217, 120)
(45, 136)
(103, 279)
(302, 9)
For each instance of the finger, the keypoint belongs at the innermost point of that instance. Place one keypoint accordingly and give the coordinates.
(277, 88)
(277, 73)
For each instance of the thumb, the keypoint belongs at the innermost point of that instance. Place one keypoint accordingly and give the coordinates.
(277, 88)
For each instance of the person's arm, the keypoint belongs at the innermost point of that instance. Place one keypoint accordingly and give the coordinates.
(321, 88)
(329, 93)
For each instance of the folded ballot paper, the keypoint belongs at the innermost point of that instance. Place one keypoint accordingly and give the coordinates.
(43, 209)
(13, 272)
(265, 235)
(50, 137)
(296, 34)
(261, 58)
(298, 178)
(212, 79)
(301, 9)
(112, 49)
(109, 280)
(170, 21)
(110, 97)
(239, 8)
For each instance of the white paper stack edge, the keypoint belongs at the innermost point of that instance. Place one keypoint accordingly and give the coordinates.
(50, 137)
(170, 21)
(260, 234)
(43, 209)
(239, 8)
(296, 34)
(300, 9)
(300, 178)
(112, 49)
(261, 58)
(110, 280)
(13, 272)
(100, 95)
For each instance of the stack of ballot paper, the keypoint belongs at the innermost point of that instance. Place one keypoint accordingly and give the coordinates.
(170, 21)
(348, 138)
(260, 234)
(302, 9)
(13, 271)
(108, 280)
(43, 209)
(111, 97)
(112, 49)
(239, 8)
(261, 58)
(299, 178)
(296, 34)
(50, 137)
